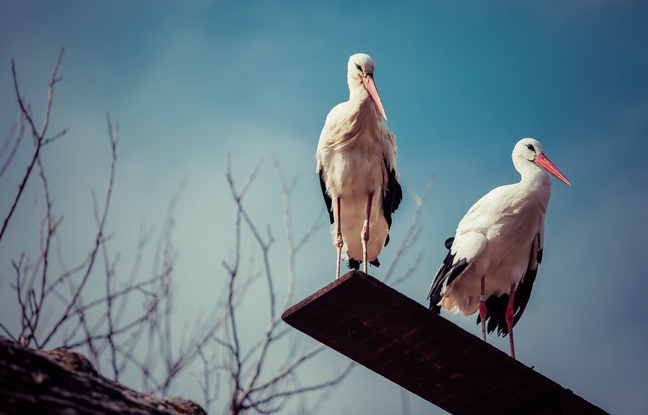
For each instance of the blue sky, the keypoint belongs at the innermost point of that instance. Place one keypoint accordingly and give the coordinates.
(461, 82)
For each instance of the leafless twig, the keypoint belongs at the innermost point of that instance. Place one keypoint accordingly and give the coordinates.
(39, 135)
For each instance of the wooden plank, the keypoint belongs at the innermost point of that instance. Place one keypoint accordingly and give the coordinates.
(402, 340)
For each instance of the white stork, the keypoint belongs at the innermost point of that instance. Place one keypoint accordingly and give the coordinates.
(493, 259)
(356, 162)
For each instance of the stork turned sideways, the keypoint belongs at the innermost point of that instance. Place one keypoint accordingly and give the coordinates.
(493, 258)
(356, 163)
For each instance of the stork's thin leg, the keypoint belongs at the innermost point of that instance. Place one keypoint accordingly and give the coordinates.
(365, 233)
(510, 314)
(338, 240)
(482, 306)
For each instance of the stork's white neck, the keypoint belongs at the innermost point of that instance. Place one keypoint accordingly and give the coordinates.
(533, 179)
(357, 91)
(360, 102)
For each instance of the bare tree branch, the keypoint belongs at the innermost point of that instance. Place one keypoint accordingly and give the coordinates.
(39, 136)
(17, 141)
(101, 218)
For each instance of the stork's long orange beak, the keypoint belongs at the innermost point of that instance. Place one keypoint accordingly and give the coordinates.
(542, 161)
(370, 86)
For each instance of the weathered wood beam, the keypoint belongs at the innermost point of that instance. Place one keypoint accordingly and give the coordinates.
(402, 340)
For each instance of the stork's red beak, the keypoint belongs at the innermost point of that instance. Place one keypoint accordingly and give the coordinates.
(370, 86)
(542, 161)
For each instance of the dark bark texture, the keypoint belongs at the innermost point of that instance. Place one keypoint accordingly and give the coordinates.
(63, 382)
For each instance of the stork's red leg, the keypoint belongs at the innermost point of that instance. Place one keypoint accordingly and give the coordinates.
(365, 232)
(482, 306)
(510, 314)
(338, 240)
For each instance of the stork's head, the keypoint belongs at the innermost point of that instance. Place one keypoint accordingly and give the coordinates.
(360, 72)
(529, 150)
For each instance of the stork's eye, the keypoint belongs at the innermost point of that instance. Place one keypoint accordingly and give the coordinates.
(530, 147)
(358, 67)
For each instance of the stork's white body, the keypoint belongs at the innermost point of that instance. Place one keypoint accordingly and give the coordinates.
(493, 258)
(356, 158)
(496, 237)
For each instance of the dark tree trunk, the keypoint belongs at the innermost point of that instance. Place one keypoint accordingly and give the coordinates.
(64, 382)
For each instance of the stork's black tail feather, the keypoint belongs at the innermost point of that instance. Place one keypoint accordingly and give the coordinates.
(496, 306)
(354, 264)
(448, 271)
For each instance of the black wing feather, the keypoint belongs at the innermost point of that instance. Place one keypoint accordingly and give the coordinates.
(327, 198)
(448, 272)
(496, 306)
(392, 197)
